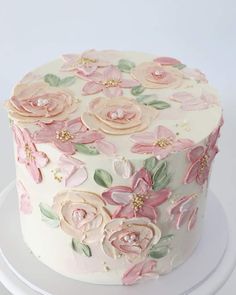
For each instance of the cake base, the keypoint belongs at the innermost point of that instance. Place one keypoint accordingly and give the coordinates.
(38, 277)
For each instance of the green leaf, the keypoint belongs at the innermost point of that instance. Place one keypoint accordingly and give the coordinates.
(52, 80)
(48, 215)
(161, 179)
(80, 248)
(67, 81)
(159, 252)
(159, 104)
(85, 149)
(151, 164)
(125, 65)
(102, 177)
(136, 90)
(179, 66)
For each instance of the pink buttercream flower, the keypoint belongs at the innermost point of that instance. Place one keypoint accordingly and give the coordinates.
(25, 204)
(191, 103)
(131, 238)
(167, 61)
(73, 171)
(65, 134)
(110, 82)
(201, 158)
(161, 142)
(144, 269)
(139, 200)
(194, 74)
(86, 63)
(40, 102)
(156, 76)
(28, 154)
(185, 211)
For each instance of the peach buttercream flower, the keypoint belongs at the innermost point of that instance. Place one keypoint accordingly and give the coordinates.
(156, 76)
(131, 238)
(82, 214)
(119, 115)
(40, 102)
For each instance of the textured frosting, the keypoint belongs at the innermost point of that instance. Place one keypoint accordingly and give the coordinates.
(113, 153)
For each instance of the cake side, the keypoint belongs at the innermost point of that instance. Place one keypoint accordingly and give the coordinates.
(113, 153)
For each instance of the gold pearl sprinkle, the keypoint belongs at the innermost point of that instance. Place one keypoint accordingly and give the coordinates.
(138, 202)
(64, 135)
(111, 83)
(163, 143)
(86, 60)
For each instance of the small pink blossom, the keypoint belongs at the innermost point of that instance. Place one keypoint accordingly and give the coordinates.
(86, 63)
(185, 211)
(191, 103)
(28, 154)
(65, 134)
(161, 142)
(167, 61)
(73, 171)
(110, 82)
(194, 74)
(143, 269)
(25, 204)
(201, 158)
(139, 200)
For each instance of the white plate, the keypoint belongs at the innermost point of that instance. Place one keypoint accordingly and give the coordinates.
(188, 277)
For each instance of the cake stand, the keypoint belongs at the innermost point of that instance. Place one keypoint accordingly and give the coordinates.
(204, 272)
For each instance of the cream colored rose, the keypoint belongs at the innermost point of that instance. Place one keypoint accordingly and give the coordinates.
(119, 115)
(154, 75)
(82, 214)
(131, 238)
(40, 102)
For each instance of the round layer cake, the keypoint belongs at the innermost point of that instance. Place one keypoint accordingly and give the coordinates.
(113, 154)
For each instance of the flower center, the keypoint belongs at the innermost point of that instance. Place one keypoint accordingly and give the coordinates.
(28, 153)
(131, 238)
(78, 215)
(138, 201)
(42, 102)
(163, 143)
(111, 83)
(158, 74)
(86, 60)
(203, 163)
(118, 114)
(64, 135)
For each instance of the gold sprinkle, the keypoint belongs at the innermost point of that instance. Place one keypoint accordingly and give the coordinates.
(111, 83)
(64, 135)
(86, 60)
(28, 153)
(56, 175)
(163, 143)
(138, 202)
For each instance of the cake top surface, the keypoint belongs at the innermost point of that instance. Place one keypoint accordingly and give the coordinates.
(116, 102)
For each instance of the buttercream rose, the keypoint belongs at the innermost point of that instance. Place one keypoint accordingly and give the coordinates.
(118, 115)
(82, 214)
(40, 102)
(131, 238)
(153, 75)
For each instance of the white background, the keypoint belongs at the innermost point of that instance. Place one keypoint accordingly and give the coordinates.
(201, 33)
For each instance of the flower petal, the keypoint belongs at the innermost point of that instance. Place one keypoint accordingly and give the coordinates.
(125, 83)
(107, 195)
(192, 172)
(92, 87)
(105, 147)
(142, 181)
(158, 198)
(196, 153)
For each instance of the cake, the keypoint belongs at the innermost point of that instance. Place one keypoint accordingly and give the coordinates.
(113, 153)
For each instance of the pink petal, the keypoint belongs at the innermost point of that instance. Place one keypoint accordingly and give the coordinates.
(41, 159)
(142, 181)
(167, 61)
(192, 219)
(112, 73)
(158, 198)
(125, 83)
(89, 136)
(196, 153)
(148, 212)
(183, 97)
(142, 149)
(182, 144)
(112, 91)
(181, 219)
(92, 88)
(192, 172)
(34, 171)
(122, 198)
(66, 147)
(164, 132)
(162, 153)
(106, 147)
(144, 138)
(126, 211)
(107, 195)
